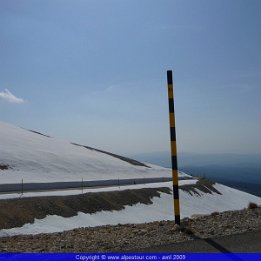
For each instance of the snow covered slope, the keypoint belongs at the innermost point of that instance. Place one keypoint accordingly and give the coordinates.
(192, 204)
(35, 157)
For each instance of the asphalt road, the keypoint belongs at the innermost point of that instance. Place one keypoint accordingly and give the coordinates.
(249, 242)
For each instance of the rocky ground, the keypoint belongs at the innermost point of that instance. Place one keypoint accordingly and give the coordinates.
(136, 236)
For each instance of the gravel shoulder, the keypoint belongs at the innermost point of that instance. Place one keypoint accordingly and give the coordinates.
(135, 237)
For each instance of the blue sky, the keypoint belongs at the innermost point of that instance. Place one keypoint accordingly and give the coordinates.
(94, 72)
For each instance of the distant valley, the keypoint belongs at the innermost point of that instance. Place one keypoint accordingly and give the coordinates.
(235, 170)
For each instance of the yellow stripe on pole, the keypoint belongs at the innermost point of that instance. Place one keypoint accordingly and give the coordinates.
(174, 177)
(170, 91)
(176, 206)
(173, 148)
(172, 119)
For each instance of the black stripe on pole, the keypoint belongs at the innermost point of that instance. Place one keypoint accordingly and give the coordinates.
(171, 105)
(174, 162)
(175, 191)
(173, 149)
(173, 134)
(169, 77)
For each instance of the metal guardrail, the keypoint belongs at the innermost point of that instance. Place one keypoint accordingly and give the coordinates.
(26, 187)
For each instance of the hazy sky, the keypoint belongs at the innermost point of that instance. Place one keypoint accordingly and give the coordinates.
(94, 72)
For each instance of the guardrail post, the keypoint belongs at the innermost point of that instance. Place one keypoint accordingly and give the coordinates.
(82, 185)
(22, 187)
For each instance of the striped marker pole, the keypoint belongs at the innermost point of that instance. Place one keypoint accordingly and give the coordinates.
(173, 149)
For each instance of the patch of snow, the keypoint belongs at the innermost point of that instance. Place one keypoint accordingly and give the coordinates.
(188, 182)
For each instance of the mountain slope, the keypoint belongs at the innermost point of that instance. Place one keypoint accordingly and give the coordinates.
(35, 157)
